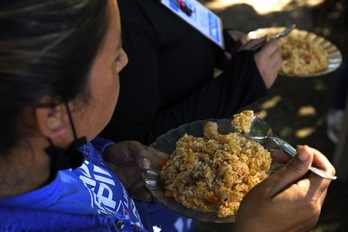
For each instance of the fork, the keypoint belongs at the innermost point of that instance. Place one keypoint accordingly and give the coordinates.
(283, 33)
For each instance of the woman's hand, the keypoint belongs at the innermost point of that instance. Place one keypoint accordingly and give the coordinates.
(238, 37)
(268, 59)
(290, 199)
(128, 159)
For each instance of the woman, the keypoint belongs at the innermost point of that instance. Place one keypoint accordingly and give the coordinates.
(170, 77)
(59, 83)
(54, 83)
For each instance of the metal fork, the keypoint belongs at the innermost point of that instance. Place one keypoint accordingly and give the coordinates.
(287, 30)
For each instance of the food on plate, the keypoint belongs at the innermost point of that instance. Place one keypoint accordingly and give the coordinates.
(214, 172)
(303, 53)
(302, 56)
(242, 121)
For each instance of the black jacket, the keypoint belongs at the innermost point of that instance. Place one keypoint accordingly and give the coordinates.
(169, 78)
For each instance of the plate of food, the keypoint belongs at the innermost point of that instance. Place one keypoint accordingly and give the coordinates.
(305, 54)
(203, 169)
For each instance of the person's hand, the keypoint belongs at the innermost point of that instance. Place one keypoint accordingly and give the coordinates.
(128, 159)
(288, 200)
(240, 38)
(268, 59)
(234, 40)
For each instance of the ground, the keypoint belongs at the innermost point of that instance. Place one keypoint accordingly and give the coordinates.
(296, 108)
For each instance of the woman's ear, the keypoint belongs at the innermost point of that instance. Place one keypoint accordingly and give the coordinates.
(52, 121)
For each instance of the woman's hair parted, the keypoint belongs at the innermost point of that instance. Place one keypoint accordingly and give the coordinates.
(47, 48)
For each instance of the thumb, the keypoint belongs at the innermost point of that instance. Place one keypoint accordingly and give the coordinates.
(140, 153)
(300, 164)
(292, 171)
(252, 43)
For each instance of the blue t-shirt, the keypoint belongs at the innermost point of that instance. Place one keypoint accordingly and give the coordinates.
(90, 189)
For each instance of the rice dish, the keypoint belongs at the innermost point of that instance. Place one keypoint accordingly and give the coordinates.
(214, 172)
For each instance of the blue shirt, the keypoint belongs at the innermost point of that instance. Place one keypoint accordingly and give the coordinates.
(90, 189)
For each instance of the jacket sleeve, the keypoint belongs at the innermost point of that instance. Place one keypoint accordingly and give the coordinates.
(239, 85)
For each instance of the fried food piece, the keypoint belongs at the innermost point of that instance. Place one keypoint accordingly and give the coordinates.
(242, 121)
(210, 130)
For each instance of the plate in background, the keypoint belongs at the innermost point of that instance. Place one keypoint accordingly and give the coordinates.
(334, 56)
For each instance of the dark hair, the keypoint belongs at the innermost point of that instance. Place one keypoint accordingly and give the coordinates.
(46, 49)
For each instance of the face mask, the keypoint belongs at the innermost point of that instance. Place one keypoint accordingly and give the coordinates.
(71, 157)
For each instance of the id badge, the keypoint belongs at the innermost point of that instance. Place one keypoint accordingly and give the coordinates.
(198, 16)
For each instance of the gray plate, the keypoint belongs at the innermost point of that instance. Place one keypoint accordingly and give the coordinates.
(165, 145)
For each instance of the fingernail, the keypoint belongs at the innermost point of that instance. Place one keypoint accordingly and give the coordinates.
(144, 163)
(302, 155)
(263, 39)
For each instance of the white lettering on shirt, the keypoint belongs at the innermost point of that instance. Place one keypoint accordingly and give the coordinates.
(100, 183)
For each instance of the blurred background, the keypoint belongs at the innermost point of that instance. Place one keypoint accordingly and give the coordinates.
(296, 108)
